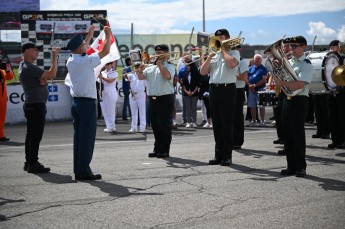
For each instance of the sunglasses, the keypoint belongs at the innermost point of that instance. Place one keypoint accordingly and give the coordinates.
(295, 46)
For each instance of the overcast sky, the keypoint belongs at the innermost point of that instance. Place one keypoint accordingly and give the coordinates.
(261, 22)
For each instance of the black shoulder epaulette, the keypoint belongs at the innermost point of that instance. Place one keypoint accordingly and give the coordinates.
(241, 58)
(307, 61)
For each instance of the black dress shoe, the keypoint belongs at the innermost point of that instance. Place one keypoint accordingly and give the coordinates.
(226, 162)
(331, 146)
(288, 172)
(37, 167)
(153, 154)
(340, 146)
(278, 141)
(301, 173)
(214, 161)
(316, 136)
(162, 155)
(89, 177)
(325, 136)
(282, 152)
(236, 147)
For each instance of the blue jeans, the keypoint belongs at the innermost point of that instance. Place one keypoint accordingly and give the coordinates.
(84, 123)
(35, 114)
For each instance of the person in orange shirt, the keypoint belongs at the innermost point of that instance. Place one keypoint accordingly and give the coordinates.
(6, 74)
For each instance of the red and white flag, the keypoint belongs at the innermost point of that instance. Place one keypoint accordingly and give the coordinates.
(98, 44)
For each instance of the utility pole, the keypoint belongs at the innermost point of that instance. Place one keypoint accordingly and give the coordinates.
(203, 16)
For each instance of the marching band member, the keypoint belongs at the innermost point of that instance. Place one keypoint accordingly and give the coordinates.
(160, 77)
(337, 109)
(137, 100)
(241, 79)
(294, 109)
(278, 109)
(109, 97)
(223, 67)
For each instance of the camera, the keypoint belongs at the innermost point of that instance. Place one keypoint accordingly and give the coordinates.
(3, 66)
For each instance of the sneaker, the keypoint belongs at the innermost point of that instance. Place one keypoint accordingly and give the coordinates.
(110, 130)
(188, 125)
(207, 125)
(194, 125)
(132, 131)
(203, 123)
(37, 168)
(262, 123)
(252, 123)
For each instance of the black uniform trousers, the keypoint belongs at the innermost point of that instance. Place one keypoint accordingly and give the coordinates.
(222, 105)
(337, 116)
(320, 102)
(35, 114)
(160, 109)
(239, 118)
(278, 116)
(294, 110)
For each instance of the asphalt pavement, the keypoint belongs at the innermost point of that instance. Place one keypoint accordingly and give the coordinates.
(181, 191)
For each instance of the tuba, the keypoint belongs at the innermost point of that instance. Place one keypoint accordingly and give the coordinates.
(338, 73)
(215, 43)
(278, 64)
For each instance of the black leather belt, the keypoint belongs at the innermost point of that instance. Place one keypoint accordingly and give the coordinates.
(83, 98)
(220, 84)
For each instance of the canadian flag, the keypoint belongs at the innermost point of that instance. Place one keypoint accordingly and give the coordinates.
(98, 44)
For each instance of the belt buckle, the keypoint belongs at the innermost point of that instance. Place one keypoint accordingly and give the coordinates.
(154, 97)
(225, 85)
(288, 97)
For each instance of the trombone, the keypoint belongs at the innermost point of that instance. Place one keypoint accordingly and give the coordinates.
(215, 45)
(148, 60)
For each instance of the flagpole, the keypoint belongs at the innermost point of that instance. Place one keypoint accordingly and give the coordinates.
(99, 21)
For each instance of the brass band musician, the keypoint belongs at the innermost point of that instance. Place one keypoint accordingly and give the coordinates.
(160, 91)
(294, 109)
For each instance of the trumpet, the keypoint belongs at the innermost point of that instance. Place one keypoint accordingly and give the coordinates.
(169, 56)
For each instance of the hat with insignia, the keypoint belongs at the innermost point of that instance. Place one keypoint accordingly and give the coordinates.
(162, 48)
(297, 39)
(334, 43)
(222, 32)
(75, 42)
(30, 45)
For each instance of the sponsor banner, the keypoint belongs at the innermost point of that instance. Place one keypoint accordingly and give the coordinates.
(73, 15)
(58, 104)
(62, 27)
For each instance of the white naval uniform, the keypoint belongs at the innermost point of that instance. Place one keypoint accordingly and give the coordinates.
(137, 102)
(109, 99)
